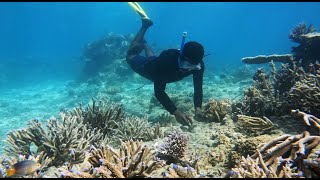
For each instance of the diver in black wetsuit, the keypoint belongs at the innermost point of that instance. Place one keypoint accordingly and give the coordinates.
(170, 66)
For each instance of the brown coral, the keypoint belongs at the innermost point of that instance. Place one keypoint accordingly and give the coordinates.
(216, 110)
(133, 160)
(60, 141)
(102, 115)
(305, 94)
(176, 171)
(255, 124)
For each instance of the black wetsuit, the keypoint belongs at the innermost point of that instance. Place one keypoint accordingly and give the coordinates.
(164, 69)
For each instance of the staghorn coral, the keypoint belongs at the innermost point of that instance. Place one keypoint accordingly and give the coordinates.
(255, 124)
(136, 128)
(259, 99)
(305, 93)
(246, 146)
(174, 146)
(286, 77)
(133, 160)
(60, 141)
(301, 29)
(307, 118)
(284, 156)
(103, 115)
(250, 168)
(111, 120)
(308, 49)
(216, 110)
(297, 145)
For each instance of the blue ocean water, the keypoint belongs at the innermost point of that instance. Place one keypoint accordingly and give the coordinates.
(41, 42)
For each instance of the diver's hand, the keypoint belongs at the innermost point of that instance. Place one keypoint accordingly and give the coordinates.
(182, 119)
(199, 114)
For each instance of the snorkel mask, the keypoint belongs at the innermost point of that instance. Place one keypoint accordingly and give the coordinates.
(185, 64)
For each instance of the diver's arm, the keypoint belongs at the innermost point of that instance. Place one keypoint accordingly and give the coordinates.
(197, 84)
(162, 97)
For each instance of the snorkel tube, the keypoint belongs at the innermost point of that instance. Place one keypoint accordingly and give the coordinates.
(184, 35)
(186, 64)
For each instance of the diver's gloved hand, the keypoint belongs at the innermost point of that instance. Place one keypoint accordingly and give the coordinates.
(182, 118)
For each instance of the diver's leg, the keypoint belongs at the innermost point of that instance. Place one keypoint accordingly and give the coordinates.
(148, 50)
(137, 44)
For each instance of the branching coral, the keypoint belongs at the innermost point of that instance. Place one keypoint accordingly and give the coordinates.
(284, 156)
(305, 94)
(111, 120)
(260, 99)
(307, 118)
(174, 147)
(60, 141)
(308, 50)
(301, 29)
(255, 124)
(216, 110)
(251, 168)
(298, 145)
(176, 171)
(103, 115)
(136, 128)
(293, 86)
(133, 160)
(286, 77)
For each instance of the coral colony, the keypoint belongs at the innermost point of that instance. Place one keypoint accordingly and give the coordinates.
(272, 131)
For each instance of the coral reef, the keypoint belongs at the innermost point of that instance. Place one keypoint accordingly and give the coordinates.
(286, 77)
(307, 118)
(113, 123)
(136, 128)
(216, 110)
(247, 146)
(261, 99)
(285, 156)
(307, 52)
(255, 124)
(308, 49)
(103, 115)
(102, 52)
(301, 29)
(133, 160)
(305, 93)
(249, 168)
(261, 59)
(176, 171)
(61, 142)
(174, 147)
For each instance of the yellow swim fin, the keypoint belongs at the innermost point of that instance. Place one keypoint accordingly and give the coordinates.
(138, 9)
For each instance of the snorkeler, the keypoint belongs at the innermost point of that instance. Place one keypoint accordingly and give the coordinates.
(171, 65)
